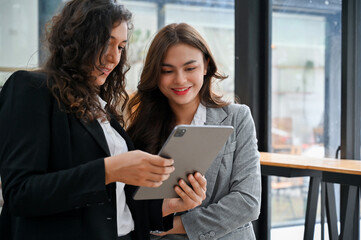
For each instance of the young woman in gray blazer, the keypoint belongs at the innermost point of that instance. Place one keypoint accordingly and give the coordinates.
(176, 88)
(67, 166)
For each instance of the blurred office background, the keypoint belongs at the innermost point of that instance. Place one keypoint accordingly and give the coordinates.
(283, 59)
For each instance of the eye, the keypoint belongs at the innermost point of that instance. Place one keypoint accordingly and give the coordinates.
(190, 69)
(164, 71)
(120, 48)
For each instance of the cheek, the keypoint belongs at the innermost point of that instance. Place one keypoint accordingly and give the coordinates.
(163, 83)
(120, 57)
(198, 79)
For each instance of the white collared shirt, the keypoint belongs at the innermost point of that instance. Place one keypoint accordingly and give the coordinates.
(200, 116)
(117, 145)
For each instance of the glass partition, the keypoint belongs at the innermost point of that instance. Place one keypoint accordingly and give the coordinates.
(306, 94)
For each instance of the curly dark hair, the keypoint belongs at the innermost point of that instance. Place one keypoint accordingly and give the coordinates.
(78, 38)
(151, 118)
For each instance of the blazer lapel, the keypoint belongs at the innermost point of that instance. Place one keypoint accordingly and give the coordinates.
(215, 116)
(115, 124)
(96, 131)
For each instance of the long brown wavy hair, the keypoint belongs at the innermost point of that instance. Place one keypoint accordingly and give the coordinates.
(77, 39)
(150, 116)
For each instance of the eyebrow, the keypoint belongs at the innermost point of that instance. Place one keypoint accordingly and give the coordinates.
(187, 63)
(112, 37)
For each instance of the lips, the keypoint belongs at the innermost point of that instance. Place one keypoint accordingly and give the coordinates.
(181, 91)
(106, 71)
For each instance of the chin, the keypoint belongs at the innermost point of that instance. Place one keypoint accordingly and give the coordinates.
(182, 102)
(100, 80)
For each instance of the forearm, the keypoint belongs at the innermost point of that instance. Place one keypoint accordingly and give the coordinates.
(109, 164)
(178, 227)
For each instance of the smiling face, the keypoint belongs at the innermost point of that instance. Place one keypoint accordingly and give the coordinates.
(182, 72)
(111, 58)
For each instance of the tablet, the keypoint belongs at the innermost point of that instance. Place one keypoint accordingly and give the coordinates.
(193, 148)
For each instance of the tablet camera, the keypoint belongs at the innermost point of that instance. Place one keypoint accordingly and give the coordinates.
(180, 132)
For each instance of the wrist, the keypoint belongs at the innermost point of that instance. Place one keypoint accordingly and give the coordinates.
(171, 205)
(166, 208)
(108, 168)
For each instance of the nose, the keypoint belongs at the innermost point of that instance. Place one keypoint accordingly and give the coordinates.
(113, 55)
(180, 77)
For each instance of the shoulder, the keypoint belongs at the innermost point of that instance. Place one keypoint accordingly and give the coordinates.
(25, 86)
(26, 78)
(238, 110)
(230, 111)
(21, 80)
(240, 117)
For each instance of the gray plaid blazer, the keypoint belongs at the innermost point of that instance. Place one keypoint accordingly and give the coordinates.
(233, 183)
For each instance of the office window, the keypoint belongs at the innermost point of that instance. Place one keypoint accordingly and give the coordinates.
(22, 28)
(213, 19)
(306, 94)
(18, 36)
(22, 20)
(145, 21)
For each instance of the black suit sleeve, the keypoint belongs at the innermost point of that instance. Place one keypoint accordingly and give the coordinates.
(29, 187)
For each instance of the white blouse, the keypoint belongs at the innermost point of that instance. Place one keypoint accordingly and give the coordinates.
(117, 145)
(200, 116)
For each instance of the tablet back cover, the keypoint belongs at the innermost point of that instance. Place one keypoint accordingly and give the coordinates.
(193, 148)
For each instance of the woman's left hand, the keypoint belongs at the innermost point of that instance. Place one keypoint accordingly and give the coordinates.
(190, 196)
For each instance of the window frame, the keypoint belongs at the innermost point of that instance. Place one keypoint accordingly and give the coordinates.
(253, 24)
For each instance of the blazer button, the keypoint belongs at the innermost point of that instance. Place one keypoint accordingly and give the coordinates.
(202, 237)
(212, 233)
(109, 218)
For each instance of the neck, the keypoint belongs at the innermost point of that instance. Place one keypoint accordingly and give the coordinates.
(184, 114)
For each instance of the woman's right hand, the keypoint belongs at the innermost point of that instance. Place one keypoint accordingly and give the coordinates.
(138, 168)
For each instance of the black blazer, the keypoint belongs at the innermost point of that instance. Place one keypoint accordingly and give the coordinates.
(52, 171)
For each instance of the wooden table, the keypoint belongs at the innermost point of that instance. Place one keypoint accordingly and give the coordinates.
(328, 170)
(351, 167)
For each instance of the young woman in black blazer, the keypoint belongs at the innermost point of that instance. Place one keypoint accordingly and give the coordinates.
(63, 150)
